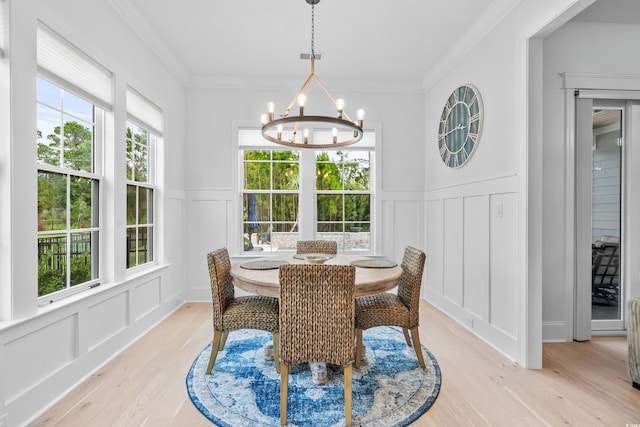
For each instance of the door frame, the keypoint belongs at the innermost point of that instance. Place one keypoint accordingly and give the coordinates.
(613, 87)
(584, 325)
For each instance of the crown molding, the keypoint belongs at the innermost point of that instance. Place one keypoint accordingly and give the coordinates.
(150, 37)
(496, 13)
(290, 83)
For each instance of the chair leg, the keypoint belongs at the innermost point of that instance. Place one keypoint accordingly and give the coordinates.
(215, 346)
(347, 394)
(416, 346)
(406, 336)
(224, 340)
(284, 388)
(358, 347)
(276, 350)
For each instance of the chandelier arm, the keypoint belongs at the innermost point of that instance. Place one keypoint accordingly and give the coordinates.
(324, 88)
(305, 88)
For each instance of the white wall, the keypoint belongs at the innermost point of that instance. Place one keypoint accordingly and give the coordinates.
(478, 216)
(46, 351)
(576, 47)
(212, 208)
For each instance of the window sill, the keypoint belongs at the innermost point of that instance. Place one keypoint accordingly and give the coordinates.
(103, 287)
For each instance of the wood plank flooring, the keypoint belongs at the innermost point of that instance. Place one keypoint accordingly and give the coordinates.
(581, 383)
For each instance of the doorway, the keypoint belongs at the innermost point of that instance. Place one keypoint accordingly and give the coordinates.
(606, 217)
(605, 209)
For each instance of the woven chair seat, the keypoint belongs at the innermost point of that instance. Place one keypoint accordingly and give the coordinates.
(251, 312)
(382, 309)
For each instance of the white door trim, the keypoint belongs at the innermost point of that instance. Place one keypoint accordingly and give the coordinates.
(599, 86)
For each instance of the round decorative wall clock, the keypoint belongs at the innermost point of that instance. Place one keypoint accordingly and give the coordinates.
(460, 126)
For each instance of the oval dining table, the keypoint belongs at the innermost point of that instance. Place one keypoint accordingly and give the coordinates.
(266, 282)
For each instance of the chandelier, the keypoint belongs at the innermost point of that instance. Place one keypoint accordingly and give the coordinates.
(286, 129)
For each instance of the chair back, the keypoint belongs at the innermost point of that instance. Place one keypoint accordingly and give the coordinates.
(411, 281)
(316, 247)
(317, 313)
(605, 265)
(222, 290)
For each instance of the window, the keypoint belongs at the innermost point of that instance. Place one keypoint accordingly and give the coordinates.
(270, 198)
(73, 94)
(68, 138)
(140, 190)
(343, 198)
(317, 194)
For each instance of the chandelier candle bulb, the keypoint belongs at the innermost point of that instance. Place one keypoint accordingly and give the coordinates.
(360, 115)
(264, 119)
(271, 109)
(340, 106)
(280, 128)
(302, 99)
(334, 133)
(305, 136)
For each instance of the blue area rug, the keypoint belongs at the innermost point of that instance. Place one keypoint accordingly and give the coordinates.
(389, 388)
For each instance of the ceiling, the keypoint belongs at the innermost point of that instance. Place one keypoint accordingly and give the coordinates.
(378, 43)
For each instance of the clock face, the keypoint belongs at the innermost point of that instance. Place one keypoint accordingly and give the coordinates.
(460, 126)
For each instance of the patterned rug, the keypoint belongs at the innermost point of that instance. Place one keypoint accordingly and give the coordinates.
(389, 388)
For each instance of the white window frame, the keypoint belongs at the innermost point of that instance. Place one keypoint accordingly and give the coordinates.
(96, 175)
(150, 184)
(248, 137)
(344, 193)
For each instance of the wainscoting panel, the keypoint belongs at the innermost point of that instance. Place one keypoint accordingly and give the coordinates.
(174, 253)
(504, 263)
(407, 230)
(207, 228)
(145, 298)
(474, 228)
(106, 318)
(212, 221)
(435, 248)
(37, 355)
(476, 256)
(453, 250)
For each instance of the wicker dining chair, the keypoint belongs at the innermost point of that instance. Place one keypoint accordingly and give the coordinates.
(316, 322)
(232, 313)
(316, 247)
(400, 310)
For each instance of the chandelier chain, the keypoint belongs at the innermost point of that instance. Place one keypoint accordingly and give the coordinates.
(313, 26)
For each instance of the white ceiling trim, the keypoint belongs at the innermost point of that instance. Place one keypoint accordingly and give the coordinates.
(335, 85)
(494, 14)
(149, 36)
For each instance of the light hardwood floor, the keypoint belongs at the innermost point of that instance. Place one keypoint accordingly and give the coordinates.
(581, 383)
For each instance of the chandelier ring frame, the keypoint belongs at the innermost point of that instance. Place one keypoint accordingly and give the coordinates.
(272, 125)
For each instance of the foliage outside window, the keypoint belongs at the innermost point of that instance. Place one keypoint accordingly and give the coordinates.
(68, 189)
(140, 191)
(343, 198)
(270, 196)
(323, 194)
